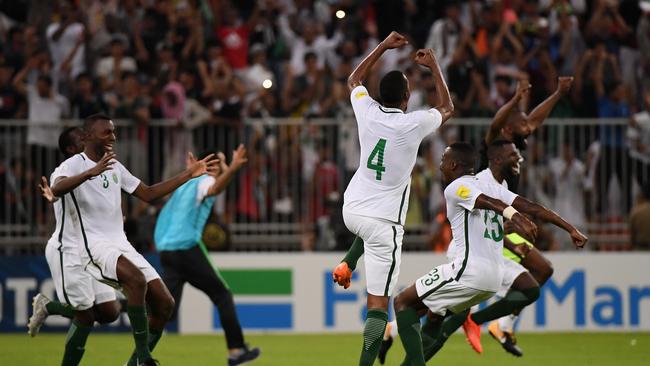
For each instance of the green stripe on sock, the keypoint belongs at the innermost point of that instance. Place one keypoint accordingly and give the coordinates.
(373, 333)
(75, 344)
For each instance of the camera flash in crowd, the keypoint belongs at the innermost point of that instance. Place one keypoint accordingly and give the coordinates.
(267, 84)
(340, 14)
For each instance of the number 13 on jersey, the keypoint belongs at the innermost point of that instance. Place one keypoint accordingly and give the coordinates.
(377, 155)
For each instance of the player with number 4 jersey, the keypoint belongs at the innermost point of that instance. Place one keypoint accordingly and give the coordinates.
(376, 200)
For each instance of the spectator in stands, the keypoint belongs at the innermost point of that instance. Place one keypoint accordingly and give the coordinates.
(62, 39)
(233, 33)
(606, 23)
(445, 34)
(109, 69)
(11, 101)
(311, 40)
(596, 65)
(150, 32)
(86, 100)
(566, 44)
(639, 219)
(186, 32)
(643, 40)
(303, 93)
(132, 106)
(46, 109)
(638, 134)
(568, 176)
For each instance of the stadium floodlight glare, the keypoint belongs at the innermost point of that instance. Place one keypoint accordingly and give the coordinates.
(267, 84)
(340, 14)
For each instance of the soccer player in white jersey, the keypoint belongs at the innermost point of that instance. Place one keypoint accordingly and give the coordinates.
(518, 288)
(474, 209)
(95, 181)
(375, 201)
(75, 288)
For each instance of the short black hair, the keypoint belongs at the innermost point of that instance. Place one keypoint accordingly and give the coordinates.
(392, 88)
(503, 78)
(90, 121)
(494, 149)
(463, 154)
(46, 79)
(309, 56)
(65, 139)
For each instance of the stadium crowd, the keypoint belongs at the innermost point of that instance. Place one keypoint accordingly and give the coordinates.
(209, 65)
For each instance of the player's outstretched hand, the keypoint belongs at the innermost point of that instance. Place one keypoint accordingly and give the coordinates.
(523, 88)
(579, 239)
(425, 57)
(526, 227)
(564, 84)
(239, 157)
(106, 163)
(199, 167)
(394, 40)
(46, 191)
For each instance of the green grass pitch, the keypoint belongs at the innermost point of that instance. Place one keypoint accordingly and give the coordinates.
(620, 349)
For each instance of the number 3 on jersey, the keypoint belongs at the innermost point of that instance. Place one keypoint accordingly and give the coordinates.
(377, 155)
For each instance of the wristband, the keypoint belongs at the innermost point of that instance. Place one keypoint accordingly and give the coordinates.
(508, 212)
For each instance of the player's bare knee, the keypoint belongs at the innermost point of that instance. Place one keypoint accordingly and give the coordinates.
(545, 272)
(400, 303)
(108, 312)
(85, 317)
(135, 284)
(167, 307)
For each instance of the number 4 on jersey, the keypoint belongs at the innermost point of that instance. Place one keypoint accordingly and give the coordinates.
(377, 152)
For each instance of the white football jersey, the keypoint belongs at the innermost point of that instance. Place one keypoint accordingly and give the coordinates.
(389, 141)
(67, 232)
(477, 235)
(98, 201)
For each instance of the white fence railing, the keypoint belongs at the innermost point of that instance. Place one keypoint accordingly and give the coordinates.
(289, 196)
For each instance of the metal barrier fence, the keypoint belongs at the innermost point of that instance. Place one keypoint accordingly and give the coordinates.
(289, 196)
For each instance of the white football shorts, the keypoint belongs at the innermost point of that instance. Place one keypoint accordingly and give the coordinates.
(382, 244)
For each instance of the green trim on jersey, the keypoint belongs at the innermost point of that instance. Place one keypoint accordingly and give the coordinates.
(111, 282)
(462, 267)
(401, 205)
(381, 108)
(65, 294)
(204, 250)
(392, 266)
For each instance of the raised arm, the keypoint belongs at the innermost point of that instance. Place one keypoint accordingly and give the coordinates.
(239, 159)
(159, 190)
(542, 213)
(539, 114)
(360, 73)
(502, 115)
(426, 57)
(64, 184)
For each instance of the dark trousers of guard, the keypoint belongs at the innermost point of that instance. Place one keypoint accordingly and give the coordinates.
(192, 266)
